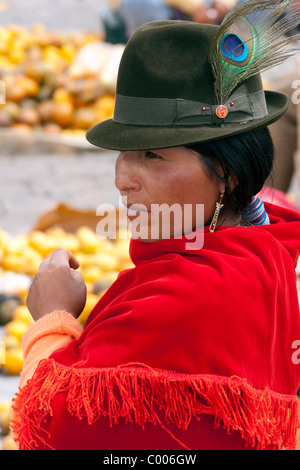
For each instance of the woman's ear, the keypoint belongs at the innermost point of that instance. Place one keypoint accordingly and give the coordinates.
(233, 182)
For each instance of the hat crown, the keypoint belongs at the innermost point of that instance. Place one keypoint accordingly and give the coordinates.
(169, 59)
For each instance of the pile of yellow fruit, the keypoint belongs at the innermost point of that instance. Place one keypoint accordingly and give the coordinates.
(5, 414)
(45, 90)
(100, 260)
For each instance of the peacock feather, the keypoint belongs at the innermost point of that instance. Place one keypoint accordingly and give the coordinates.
(252, 38)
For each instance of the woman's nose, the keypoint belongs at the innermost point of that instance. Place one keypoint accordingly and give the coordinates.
(126, 174)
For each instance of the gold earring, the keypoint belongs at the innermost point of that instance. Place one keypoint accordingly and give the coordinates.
(214, 221)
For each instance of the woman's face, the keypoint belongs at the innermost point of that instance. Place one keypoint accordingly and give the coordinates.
(156, 185)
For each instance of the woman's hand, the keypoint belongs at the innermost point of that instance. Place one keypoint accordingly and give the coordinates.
(57, 286)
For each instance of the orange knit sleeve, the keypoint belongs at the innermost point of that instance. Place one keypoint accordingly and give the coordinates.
(51, 332)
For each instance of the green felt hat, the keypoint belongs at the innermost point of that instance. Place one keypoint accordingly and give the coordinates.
(166, 92)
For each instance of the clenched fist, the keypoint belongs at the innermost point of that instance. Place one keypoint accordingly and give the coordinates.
(57, 286)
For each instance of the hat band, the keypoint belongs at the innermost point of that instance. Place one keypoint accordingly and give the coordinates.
(165, 112)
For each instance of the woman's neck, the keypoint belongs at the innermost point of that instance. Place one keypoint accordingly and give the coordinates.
(230, 219)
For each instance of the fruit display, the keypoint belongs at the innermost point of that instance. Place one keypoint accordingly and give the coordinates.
(6, 440)
(55, 83)
(5, 435)
(8, 443)
(5, 412)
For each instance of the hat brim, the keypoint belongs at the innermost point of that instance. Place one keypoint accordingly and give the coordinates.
(112, 135)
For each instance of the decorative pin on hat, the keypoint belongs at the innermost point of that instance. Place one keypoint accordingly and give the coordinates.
(221, 111)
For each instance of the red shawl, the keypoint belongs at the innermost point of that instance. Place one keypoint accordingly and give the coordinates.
(189, 349)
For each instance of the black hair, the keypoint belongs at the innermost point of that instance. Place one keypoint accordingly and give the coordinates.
(249, 156)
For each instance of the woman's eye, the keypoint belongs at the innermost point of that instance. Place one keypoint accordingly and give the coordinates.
(152, 155)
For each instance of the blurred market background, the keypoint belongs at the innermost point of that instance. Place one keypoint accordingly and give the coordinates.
(58, 67)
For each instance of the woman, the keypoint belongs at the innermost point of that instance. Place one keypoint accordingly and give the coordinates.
(194, 347)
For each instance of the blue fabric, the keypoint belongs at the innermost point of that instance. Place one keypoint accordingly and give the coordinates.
(256, 213)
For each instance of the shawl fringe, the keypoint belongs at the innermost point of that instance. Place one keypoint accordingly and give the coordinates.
(135, 393)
